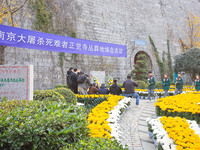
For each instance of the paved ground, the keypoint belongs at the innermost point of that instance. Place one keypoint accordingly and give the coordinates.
(134, 127)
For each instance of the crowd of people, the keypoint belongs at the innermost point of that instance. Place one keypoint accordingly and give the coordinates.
(77, 79)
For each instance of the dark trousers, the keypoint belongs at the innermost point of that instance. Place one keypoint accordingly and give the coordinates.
(75, 89)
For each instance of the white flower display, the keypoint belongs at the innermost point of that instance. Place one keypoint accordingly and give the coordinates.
(162, 136)
(115, 115)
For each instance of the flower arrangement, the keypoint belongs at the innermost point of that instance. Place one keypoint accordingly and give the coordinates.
(115, 115)
(103, 119)
(182, 134)
(159, 135)
(91, 96)
(97, 118)
(183, 105)
(95, 80)
(175, 133)
(110, 82)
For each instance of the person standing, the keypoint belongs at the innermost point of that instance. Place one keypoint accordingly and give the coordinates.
(179, 84)
(151, 85)
(103, 89)
(197, 83)
(115, 89)
(129, 86)
(74, 78)
(166, 82)
(69, 81)
(83, 83)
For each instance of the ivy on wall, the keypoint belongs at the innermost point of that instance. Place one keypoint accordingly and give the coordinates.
(163, 60)
(160, 63)
(44, 15)
(43, 19)
(171, 71)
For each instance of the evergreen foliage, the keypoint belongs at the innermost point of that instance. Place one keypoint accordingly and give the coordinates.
(140, 71)
(188, 62)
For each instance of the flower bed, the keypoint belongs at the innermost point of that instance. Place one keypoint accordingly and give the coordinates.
(183, 105)
(92, 96)
(175, 133)
(104, 117)
(115, 116)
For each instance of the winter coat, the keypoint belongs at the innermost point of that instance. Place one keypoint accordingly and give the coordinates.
(115, 89)
(69, 72)
(166, 84)
(74, 78)
(197, 84)
(152, 82)
(93, 90)
(129, 86)
(179, 85)
(85, 84)
(103, 90)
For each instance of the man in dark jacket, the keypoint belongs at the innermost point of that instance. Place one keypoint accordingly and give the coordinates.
(69, 73)
(74, 78)
(129, 85)
(103, 89)
(115, 89)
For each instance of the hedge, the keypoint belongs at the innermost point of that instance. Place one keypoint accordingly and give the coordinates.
(69, 96)
(49, 95)
(40, 125)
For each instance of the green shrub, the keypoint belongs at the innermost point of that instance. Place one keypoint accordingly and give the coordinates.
(95, 144)
(159, 85)
(61, 86)
(69, 96)
(40, 125)
(142, 84)
(3, 99)
(49, 95)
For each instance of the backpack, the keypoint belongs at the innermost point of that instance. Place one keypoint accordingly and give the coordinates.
(81, 79)
(69, 80)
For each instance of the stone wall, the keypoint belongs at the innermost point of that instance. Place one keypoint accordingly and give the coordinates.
(119, 22)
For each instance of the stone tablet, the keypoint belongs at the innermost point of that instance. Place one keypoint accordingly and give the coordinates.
(100, 75)
(16, 82)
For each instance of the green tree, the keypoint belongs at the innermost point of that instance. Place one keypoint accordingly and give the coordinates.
(188, 62)
(140, 71)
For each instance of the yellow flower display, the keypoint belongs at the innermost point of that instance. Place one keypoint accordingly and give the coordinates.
(172, 89)
(179, 130)
(97, 117)
(91, 96)
(188, 102)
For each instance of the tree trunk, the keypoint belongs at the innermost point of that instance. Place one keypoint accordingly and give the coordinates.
(2, 53)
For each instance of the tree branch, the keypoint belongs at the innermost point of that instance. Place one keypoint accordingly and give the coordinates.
(17, 9)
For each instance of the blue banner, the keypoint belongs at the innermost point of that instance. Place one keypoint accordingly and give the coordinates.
(17, 37)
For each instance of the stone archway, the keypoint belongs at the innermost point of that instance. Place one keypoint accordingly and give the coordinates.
(149, 62)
